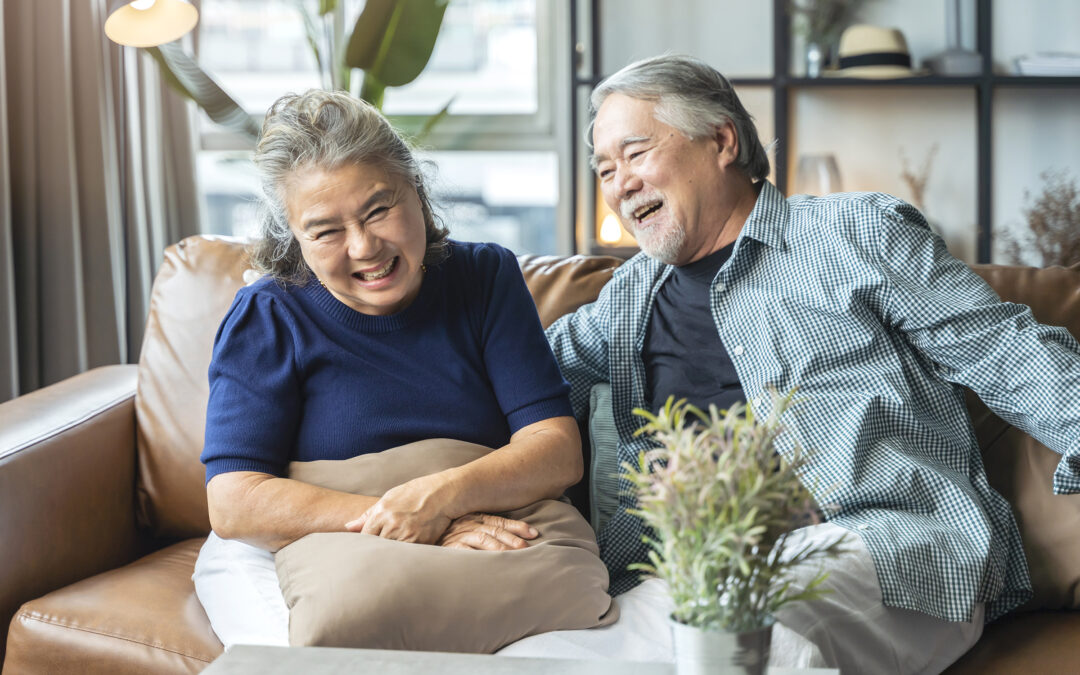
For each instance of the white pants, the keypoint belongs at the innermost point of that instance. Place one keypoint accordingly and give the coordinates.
(848, 629)
(237, 585)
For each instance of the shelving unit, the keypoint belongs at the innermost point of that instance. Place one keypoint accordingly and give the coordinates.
(783, 85)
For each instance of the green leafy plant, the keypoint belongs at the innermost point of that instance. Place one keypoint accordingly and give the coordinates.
(185, 76)
(391, 42)
(720, 504)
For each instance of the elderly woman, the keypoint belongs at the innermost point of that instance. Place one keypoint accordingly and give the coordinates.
(371, 330)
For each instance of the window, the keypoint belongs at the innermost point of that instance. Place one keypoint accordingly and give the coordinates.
(501, 154)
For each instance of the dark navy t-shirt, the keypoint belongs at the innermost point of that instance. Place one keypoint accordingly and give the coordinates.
(683, 353)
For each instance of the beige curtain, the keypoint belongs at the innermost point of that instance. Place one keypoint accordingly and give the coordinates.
(96, 179)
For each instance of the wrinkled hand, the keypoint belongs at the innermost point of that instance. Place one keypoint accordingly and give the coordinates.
(409, 512)
(485, 532)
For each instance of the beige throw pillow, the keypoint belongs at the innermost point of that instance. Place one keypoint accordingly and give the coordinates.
(355, 590)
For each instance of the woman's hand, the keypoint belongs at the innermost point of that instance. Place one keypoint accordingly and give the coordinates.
(416, 511)
(485, 532)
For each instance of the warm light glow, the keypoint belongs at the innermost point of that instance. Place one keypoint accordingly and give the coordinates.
(607, 229)
(142, 4)
(610, 230)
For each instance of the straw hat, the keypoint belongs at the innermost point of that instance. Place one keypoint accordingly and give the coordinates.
(873, 52)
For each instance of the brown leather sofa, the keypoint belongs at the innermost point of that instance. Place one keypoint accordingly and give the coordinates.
(102, 505)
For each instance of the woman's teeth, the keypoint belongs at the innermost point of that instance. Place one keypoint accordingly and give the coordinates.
(379, 273)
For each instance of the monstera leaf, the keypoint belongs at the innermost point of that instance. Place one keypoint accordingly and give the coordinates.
(392, 43)
(184, 75)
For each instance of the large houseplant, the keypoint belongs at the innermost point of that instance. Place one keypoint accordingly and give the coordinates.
(719, 503)
(391, 42)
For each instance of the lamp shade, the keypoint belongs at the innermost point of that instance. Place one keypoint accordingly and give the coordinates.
(149, 23)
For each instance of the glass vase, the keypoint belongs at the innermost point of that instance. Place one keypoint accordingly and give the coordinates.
(817, 57)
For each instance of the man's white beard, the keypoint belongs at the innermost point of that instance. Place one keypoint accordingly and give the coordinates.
(662, 242)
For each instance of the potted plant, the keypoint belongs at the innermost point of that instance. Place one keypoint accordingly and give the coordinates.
(719, 503)
(391, 43)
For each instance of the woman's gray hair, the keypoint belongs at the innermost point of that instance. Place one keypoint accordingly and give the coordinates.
(325, 130)
(692, 97)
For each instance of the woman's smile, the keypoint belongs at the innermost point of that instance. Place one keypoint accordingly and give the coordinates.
(377, 273)
(361, 232)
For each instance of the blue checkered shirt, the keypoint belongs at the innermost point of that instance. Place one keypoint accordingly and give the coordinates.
(853, 299)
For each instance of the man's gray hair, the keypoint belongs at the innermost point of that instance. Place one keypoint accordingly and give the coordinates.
(325, 130)
(694, 98)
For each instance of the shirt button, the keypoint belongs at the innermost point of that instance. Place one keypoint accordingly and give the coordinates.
(721, 287)
(757, 402)
(737, 351)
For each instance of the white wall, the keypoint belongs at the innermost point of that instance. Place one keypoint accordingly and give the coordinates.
(868, 129)
(735, 36)
(1034, 129)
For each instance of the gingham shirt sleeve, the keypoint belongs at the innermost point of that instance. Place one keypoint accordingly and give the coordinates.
(580, 343)
(1026, 372)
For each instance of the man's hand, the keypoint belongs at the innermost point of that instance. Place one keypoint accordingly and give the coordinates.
(485, 532)
(413, 512)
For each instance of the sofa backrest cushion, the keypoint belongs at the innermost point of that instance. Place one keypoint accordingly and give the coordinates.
(561, 285)
(193, 289)
(1021, 468)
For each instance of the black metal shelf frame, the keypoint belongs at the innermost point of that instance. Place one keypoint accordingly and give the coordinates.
(781, 84)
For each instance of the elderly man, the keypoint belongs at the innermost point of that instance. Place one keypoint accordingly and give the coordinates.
(853, 299)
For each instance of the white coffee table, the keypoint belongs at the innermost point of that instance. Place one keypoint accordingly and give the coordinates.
(244, 659)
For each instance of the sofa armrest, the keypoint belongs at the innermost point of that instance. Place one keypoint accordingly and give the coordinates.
(67, 477)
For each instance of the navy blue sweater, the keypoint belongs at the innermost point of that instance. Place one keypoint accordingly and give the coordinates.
(298, 375)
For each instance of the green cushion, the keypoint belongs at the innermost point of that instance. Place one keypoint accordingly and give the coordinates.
(604, 467)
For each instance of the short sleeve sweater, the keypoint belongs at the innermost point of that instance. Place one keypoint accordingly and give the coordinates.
(296, 375)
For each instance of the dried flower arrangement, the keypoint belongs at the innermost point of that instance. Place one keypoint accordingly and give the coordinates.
(720, 503)
(916, 182)
(1053, 235)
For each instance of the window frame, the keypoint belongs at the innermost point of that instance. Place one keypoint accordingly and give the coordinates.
(547, 130)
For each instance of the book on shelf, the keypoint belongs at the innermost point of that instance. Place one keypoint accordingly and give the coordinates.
(1054, 64)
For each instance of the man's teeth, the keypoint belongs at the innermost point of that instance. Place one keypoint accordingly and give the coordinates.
(646, 210)
(379, 273)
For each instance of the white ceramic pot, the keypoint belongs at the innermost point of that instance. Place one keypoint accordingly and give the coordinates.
(699, 651)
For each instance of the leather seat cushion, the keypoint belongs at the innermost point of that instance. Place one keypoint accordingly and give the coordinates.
(1024, 644)
(140, 618)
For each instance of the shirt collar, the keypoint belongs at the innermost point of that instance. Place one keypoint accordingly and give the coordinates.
(768, 218)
